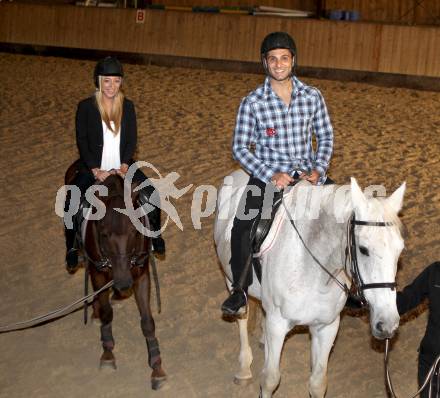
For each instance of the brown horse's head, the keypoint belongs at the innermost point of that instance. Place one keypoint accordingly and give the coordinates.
(122, 248)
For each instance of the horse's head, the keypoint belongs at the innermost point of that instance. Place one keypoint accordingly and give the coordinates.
(376, 244)
(120, 244)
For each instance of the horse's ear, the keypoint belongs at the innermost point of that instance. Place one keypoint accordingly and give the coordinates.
(395, 201)
(357, 196)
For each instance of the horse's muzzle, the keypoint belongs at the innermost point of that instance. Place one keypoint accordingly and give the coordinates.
(123, 285)
(382, 330)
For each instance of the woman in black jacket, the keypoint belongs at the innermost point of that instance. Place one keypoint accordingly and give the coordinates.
(106, 136)
(425, 286)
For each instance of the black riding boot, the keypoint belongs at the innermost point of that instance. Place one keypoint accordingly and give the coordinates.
(158, 242)
(71, 251)
(235, 302)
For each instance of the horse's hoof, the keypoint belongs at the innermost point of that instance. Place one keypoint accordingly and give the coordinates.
(158, 382)
(242, 381)
(107, 365)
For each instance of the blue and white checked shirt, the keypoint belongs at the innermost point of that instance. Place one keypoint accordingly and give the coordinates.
(281, 135)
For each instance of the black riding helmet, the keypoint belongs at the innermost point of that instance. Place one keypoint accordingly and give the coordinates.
(109, 66)
(276, 40)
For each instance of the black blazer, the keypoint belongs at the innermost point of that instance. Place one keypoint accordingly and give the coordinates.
(89, 133)
(425, 285)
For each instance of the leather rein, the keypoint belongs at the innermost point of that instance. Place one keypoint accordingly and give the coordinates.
(350, 257)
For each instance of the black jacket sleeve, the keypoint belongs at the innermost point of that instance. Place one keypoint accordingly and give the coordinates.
(130, 131)
(412, 295)
(82, 135)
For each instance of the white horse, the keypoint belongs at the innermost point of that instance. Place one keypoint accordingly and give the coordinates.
(316, 225)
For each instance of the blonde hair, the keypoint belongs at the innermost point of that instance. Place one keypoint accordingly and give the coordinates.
(116, 113)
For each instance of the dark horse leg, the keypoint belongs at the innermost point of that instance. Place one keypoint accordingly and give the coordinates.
(105, 311)
(142, 294)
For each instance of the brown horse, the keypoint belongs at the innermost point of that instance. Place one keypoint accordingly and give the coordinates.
(116, 250)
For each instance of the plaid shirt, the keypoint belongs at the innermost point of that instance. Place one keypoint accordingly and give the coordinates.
(270, 137)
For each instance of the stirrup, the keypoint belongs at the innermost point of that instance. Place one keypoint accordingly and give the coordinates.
(241, 310)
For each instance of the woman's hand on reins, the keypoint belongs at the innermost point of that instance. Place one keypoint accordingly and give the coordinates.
(100, 175)
(122, 171)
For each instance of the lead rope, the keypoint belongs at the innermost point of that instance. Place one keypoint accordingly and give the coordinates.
(53, 314)
(429, 377)
(86, 291)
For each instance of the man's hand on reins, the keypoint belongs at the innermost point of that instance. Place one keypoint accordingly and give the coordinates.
(313, 177)
(281, 180)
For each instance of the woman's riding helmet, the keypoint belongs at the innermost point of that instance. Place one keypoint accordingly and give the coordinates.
(109, 66)
(276, 40)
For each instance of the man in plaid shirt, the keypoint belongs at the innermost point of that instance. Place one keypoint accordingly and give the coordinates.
(273, 143)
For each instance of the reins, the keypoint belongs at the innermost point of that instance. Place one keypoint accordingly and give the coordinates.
(350, 257)
(343, 286)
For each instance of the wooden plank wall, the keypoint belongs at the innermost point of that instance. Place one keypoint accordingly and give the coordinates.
(322, 44)
(413, 12)
(305, 5)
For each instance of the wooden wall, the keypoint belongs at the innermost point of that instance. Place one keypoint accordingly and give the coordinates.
(305, 5)
(322, 44)
(414, 12)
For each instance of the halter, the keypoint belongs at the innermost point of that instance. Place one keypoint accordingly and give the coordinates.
(350, 256)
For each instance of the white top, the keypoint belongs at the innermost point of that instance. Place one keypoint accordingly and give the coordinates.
(111, 158)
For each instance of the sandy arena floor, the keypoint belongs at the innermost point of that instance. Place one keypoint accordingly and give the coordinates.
(185, 119)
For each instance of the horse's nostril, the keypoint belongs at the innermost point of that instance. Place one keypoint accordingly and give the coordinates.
(123, 286)
(379, 326)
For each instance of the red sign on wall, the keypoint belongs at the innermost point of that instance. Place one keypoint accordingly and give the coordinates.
(140, 16)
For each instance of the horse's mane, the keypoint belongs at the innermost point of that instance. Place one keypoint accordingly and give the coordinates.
(329, 199)
(114, 200)
(387, 213)
(115, 185)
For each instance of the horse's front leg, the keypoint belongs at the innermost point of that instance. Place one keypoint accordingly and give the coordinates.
(276, 330)
(323, 337)
(106, 316)
(142, 294)
(244, 375)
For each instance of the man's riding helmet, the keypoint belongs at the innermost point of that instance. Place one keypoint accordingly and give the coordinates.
(109, 66)
(276, 40)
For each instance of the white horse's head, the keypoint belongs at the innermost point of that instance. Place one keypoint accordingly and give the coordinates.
(378, 247)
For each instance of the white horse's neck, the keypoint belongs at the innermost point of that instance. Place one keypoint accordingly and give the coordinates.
(321, 215)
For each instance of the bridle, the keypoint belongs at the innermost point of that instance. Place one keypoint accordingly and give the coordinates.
(350, 258)
(136, 259)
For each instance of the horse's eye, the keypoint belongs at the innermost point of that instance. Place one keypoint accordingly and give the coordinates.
(364, 250)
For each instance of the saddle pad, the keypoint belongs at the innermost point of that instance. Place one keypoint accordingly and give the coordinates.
(280, 217)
